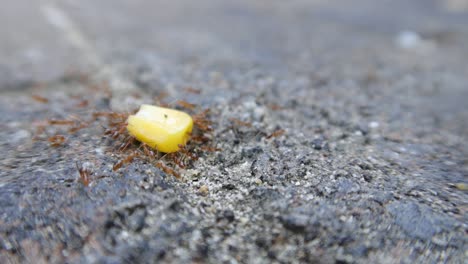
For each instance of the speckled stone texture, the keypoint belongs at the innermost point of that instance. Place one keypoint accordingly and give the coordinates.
(371, 97)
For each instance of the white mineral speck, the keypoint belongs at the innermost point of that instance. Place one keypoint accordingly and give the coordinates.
(373, 124)
(408, 39)
(20, 135)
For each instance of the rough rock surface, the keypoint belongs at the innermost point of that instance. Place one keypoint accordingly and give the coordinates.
(368, 169)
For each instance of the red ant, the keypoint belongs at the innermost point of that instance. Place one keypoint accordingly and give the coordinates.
(210, 149)
(76, 124)
(82, 103)
(127, 160)
(148, 151)
(183, 149)
(61, 122)
(192, 90)
(275, 107)
(57, 140)
(74, 129)
(40, 99)
(167, 169)
(201, 122)
(240, 122)
(277, 133)
(85, 174)
(185, 104)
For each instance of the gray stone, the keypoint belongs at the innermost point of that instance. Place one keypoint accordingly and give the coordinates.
(419, 221)
(375, 136)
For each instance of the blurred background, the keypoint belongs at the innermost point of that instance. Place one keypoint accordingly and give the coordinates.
(41, 40)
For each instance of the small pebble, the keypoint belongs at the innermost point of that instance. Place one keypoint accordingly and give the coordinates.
(373, 124)
(244, 220)
(462, 186)
(408, 39)
(20, 136)
(226, 214)
(122, 193)
(317, 144)
(203, 190)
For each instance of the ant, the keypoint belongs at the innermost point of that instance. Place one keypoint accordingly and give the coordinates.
(85, 174)
(183, 149)
(192, 90)
(83, 103)
(127, 160)
(185, 104)
(60, 122)
(57, 140)
(167, 169)
(76, 124)
(40, 99)
(74, 129)
(275, 107)
(277, 133)
(201, 121)
(210, 149)
(240, 122)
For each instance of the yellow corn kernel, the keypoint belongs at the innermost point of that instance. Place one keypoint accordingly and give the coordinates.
(161, 128)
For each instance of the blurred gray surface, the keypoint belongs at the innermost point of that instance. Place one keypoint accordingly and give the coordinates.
(273, 33)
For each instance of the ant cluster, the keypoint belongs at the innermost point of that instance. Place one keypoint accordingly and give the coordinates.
(73, 123)
(126, 147)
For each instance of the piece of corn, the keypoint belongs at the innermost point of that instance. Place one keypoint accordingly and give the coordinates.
(161, 128)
